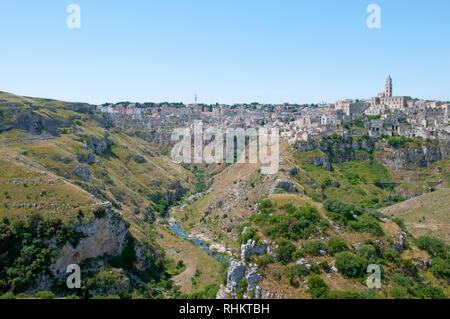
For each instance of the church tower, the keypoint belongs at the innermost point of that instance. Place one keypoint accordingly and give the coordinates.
(388, 88)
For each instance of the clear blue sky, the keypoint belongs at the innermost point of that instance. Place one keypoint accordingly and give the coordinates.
(227, 51)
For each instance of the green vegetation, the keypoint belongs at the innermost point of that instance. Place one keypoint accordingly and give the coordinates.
(350, 265)
(24, 251)
(293, 224)
(337, 244)
(317, 287)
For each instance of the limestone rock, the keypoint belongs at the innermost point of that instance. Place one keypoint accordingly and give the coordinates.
(236, 271)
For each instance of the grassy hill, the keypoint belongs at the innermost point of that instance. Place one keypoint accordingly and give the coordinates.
(426, 214)
(58, 159)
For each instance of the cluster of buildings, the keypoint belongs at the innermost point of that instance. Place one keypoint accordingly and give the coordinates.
(384, 114)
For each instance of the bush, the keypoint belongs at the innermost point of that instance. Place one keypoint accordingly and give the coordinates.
(44, 295)
(350, 265)
(291, 276)
(8, 295)
(127, 258)
(250, 233)
(337, 244)
(390, 254)
(276, 275)
(100, 212)
(263, 262)
(313, 248)
(440, 268)
(265, 206)
(368, 224)
(296, 224)
(431, 292)
(434, 246)
(344, 294)
(325, 266)
(339, 211)
(285, 250)
(317, 287)
(400, 223)
(369, 253)
(399, 292)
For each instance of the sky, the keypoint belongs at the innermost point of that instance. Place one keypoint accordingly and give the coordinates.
(226, 51)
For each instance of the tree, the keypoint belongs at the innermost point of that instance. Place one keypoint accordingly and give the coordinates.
(350, 265)
(317, 287)
(285, 250)
(337, 244)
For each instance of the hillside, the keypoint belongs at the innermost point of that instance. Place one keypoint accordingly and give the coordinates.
(426, 214)
(75, 188)
(62, 161)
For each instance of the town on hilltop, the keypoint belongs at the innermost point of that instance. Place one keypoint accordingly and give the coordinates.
(384, 114)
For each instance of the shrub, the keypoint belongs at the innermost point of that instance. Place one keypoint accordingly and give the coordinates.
(344, 294)
(368, 224)
(314, 248)
(399, 292)
(391, 254)
(337, 244)
(431, 292)
(7, 295)
(325, 265)
(276, 275)
(250, 233)
(440, 268)
(296, 224)
(44, 295)
(285, 250)
(400, 223)
(265, 206)
(350, 265)
(434, 246)
(100, 212)
(369, 253)
(127, 258)
(317, 287)
(339, 211)
(263, 262)
(291, 276)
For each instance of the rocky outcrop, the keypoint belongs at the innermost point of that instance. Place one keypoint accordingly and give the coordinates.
(287, 186)
(35, 123)
(253, 277)
(401, 245)
(82, 108)
(139, 159)
(250, 248)
(339, 149)
(104, 236)
(83, 172)
(236, 272)
(406, 159)
(321, 161)
(86, 158)
(98, 145)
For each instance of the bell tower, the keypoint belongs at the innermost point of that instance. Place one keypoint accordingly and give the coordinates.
(388, 87)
